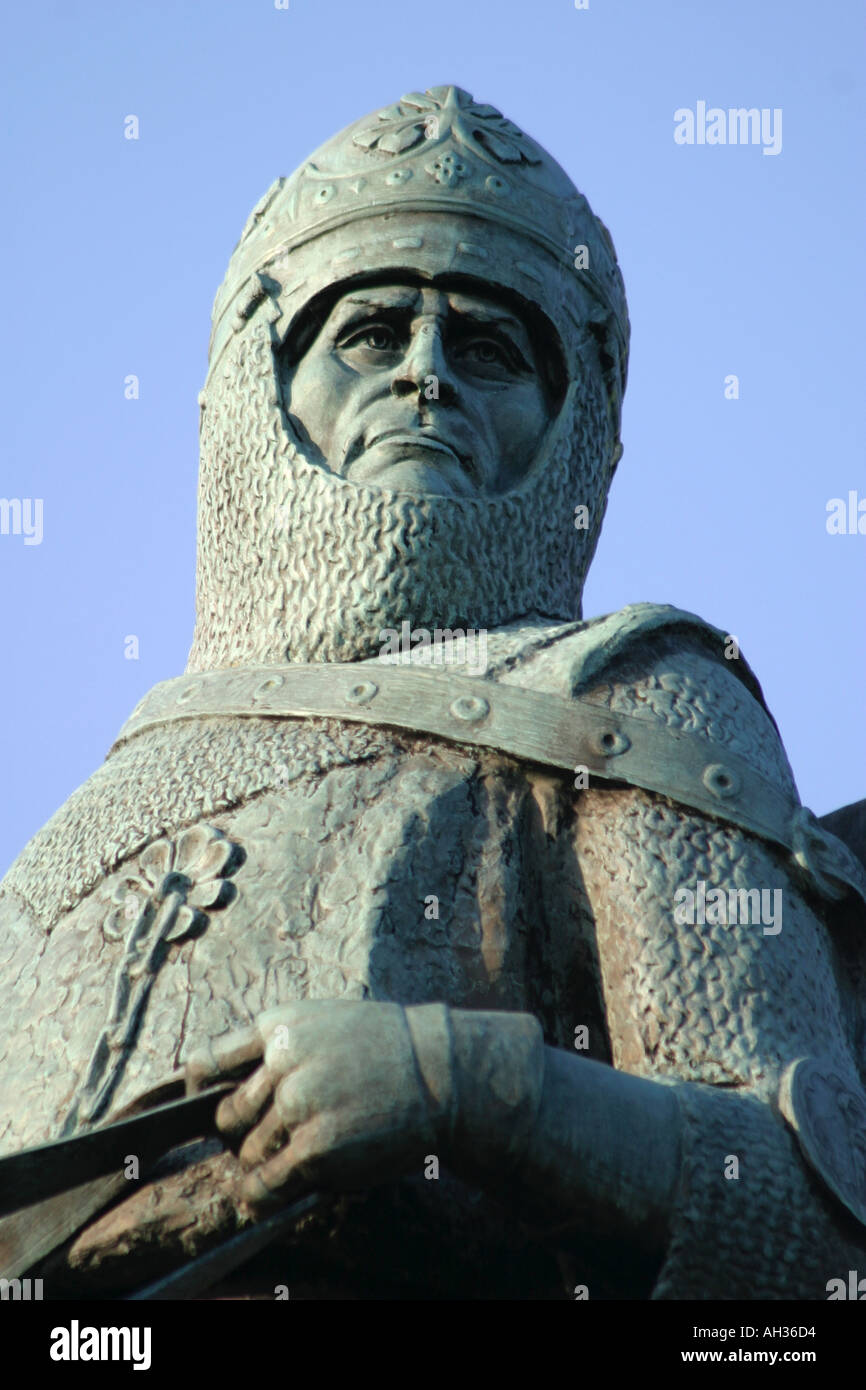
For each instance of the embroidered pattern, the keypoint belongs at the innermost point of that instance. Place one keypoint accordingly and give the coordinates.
(163, 904)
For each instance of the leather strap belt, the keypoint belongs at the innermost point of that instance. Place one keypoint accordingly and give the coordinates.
(529, 725)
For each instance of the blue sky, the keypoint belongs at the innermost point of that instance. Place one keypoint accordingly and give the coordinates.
(734, 262)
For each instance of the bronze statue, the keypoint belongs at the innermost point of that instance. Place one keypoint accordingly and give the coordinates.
(541, 976)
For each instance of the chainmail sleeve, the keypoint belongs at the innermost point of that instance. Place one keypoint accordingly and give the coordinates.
(773, 1232)
(721, 1009)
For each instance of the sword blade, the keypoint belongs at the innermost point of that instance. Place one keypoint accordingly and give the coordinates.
(35, 1174)
(31, 1233)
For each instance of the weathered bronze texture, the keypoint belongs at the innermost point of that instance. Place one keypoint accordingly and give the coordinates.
(542, 974)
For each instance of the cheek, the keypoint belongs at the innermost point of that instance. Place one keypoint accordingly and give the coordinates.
(316, 395)
(520, 416)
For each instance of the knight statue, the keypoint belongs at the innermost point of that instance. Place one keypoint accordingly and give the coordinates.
(532, 968)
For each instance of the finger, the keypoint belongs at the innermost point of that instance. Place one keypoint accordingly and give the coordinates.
(267, 1139)
(238, 1111)
(222, 1056)
(296, 1169)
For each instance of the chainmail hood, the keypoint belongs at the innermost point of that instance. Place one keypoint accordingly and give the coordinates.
(296, 563)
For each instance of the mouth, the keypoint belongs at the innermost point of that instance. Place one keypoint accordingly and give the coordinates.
(428, 440)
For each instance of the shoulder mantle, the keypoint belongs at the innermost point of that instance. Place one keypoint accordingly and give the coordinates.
(549, 697)
(626, 696)
(584, 654)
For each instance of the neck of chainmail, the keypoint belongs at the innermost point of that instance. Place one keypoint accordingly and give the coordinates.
(297, 564)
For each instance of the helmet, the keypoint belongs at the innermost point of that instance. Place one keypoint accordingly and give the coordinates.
(296, 563)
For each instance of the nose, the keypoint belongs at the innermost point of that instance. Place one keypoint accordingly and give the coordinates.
(424, 369)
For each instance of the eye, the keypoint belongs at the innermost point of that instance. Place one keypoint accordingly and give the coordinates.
(485, 350)
(379, 337)
(490, 354)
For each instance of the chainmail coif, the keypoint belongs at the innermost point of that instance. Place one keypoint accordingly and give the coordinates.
(298, 564)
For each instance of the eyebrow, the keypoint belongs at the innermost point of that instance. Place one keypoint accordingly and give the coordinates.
(486, 318)
(381, 301)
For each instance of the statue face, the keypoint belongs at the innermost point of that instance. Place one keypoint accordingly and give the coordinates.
(422, 389)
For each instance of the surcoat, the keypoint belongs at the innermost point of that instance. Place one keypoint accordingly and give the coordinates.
(218, 865)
